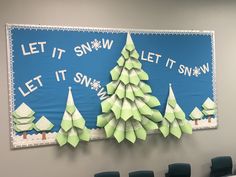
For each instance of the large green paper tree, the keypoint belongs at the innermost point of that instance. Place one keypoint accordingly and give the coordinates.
(128, 112)
(209, 108)
(73, 127)
(23, 119)
(174, 121)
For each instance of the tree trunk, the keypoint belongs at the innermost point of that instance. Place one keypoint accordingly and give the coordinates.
(196, 123)
(44, 136)
(209, 119)
(24, 135)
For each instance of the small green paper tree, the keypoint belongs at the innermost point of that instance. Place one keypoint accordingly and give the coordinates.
(209, 108)
(23, 119)
(128, 113)
(174, 121)
(43, 125)
(196, 115)
(73, 127)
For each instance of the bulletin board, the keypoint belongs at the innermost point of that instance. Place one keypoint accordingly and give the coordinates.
(44, 62)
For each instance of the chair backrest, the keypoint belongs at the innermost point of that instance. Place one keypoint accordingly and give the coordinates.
(221, 166)
(108, 174)
(141, 174)
(179, 170)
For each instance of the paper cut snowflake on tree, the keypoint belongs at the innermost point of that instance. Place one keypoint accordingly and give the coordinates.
(196, 71)
(95, 85)
(96, 44)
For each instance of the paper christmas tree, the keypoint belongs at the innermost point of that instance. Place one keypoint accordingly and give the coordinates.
(209, 108)
(73, 129)
(174, 121)
(23, 119)
(196, 115)
(128, 112)
(43, 125)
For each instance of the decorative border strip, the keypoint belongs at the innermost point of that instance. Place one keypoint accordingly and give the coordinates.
(96, 133)
(107, 30)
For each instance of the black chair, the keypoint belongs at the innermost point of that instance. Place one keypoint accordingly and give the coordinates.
(221, 166)
(108, 174)
(179, 170)
(141, 174)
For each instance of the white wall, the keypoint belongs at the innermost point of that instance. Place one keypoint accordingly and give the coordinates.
(155, 153)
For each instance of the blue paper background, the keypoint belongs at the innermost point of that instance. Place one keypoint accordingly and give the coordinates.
(50, 100)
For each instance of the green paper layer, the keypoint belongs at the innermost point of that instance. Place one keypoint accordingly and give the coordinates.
(108, 103)
(23, 127)
(103, 119)
(43, 124)
(24, 120)
(133, 77)
(171, 98)
(121, 61)
(151, 101)
(134, 54)
(129, 132)
(110, 127)
(179, 113)
(61, 137)
(143, 108)
(115, 73)
(209, 104)
(136, 114)
(144, 87)
(116, 108)
(137, 91)
(209, 112)
(129, 43)
(70, 106)
(156, 116)
(148, 124)
(66, 123)
(84, 134)
(23, 111)
(125, 53)
(196, 114)
(129, 93)
(119, 132)
(126, 111)
(142, 75)
(140, 132)
(78, 120)
(128, 64)
(124, 76)
(164, 128)
(120, 91)
(111, 87)
(175, 129)
(169, 114)
(136, 64)
(185, 127)
(73, 137)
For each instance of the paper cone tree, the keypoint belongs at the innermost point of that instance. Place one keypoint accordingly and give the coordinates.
(23, 118)
(43, 125)
(174, 121)
(128, 112)
(196, 115)
(73, 129)
(209, 109)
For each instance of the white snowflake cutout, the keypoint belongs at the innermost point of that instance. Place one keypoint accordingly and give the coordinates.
(95, 85)
(196, 71)
(96, 44)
